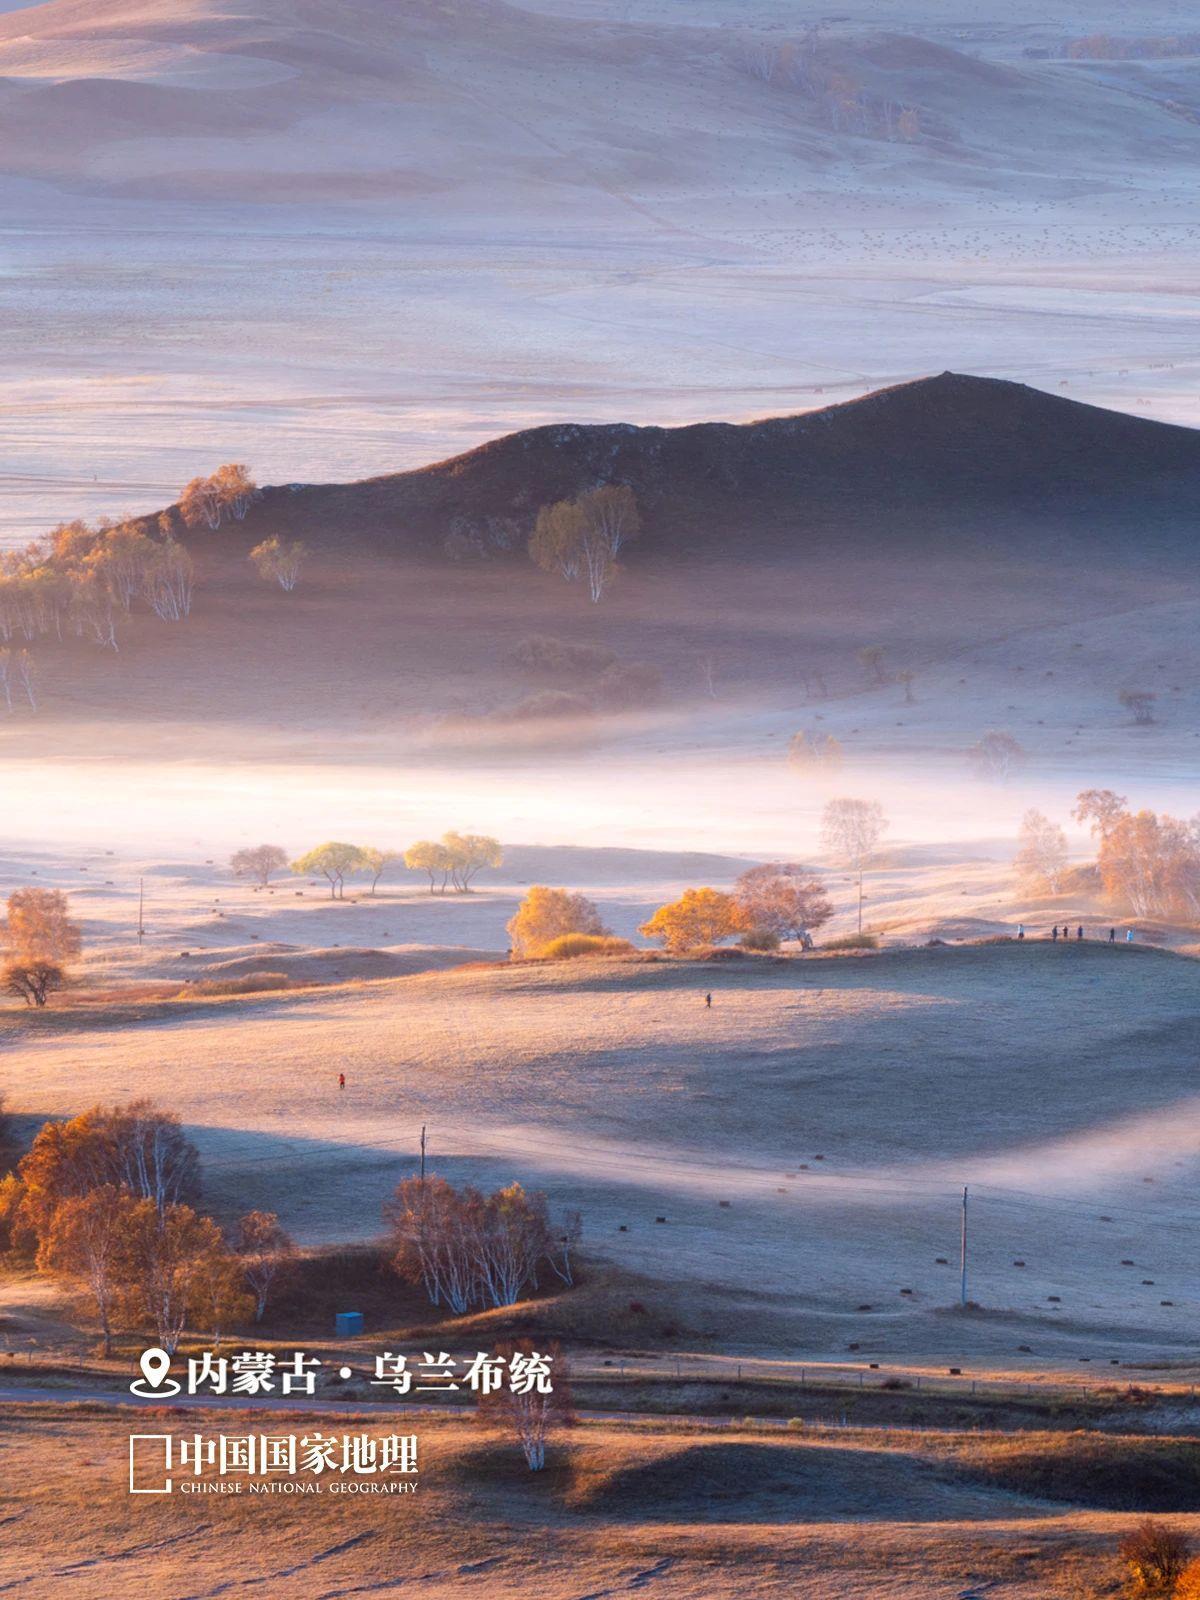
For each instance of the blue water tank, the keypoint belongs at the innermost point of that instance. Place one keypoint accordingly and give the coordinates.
(348, 1323)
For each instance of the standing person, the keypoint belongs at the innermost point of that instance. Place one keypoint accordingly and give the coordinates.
(1054, 935)
(1128, 935)
(1112, 936)
(1079, 931)
(708, 1001)
(1020, 930)
(341, 1080)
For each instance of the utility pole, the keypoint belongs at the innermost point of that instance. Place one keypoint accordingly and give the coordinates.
(422, 1152)
(963, 1257)
(141, 909)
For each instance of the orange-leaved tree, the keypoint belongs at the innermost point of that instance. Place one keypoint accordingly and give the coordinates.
(699, 917)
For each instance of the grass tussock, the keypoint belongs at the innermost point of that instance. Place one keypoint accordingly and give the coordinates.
(250, 983)
(853, 941)
(571, 945)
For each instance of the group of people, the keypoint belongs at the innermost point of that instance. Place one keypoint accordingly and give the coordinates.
(1064, 932)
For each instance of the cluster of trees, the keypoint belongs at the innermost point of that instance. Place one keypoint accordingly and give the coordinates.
(451, 862)
(473, 541)
(17, 672)
(106, 1202)
(839, 99)
(1148, 862)
(467, 1249)
(454, 860)
(585, 678)
(582, 538)
(228, 492)
(336, 861)
(1041, 859)
(41, 938)
(83, 581)
(815, 751)
(996, 755)
(769, 903)
(279, 561)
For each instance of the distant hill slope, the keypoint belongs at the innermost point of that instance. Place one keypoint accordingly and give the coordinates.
(952, 457)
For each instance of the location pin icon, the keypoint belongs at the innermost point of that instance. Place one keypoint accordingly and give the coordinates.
(155, 1365)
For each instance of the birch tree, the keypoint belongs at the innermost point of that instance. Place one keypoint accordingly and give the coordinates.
(851, 830)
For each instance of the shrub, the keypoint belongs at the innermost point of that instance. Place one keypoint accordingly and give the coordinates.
(1188, 1587)
(584, 944)
(542, 653)
(550, 704)
(1154, 1556)
(251, 983)
(629, 684)
(853, 941)
(759, 939)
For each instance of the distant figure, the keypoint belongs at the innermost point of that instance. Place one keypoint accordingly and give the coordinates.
(1020, 930)
(1079, 931)
(1112, 936)
(1128, 935)
(708, 1001)
(341, 1080)
(1054, 935)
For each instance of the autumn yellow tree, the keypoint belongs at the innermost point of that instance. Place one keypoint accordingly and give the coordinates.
(547, 914)
(335, 861)
(83, 1246)
(279, 561)
(42, 938)
(264, 1251)
(168, 1265)
(699, 917)
(431, 857)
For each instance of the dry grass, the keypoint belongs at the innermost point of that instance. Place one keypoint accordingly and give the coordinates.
(706, 1514)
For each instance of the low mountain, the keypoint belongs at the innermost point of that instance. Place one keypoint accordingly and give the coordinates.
(953, 457)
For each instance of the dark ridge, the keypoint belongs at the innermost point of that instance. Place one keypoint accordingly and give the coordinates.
(949, 460)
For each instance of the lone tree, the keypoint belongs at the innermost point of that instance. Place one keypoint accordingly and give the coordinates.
(1041, 857)
(996, 754)
(279, 561)
(527, 1392)
(259, 862)
(264, 1251)
(376, 862)
(1140, 702)
(852, 829)
(548, 914)
(42, 939)
(335, 861)
(872, 660)
(783, 898)
(1101, 808)
(699, 917)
